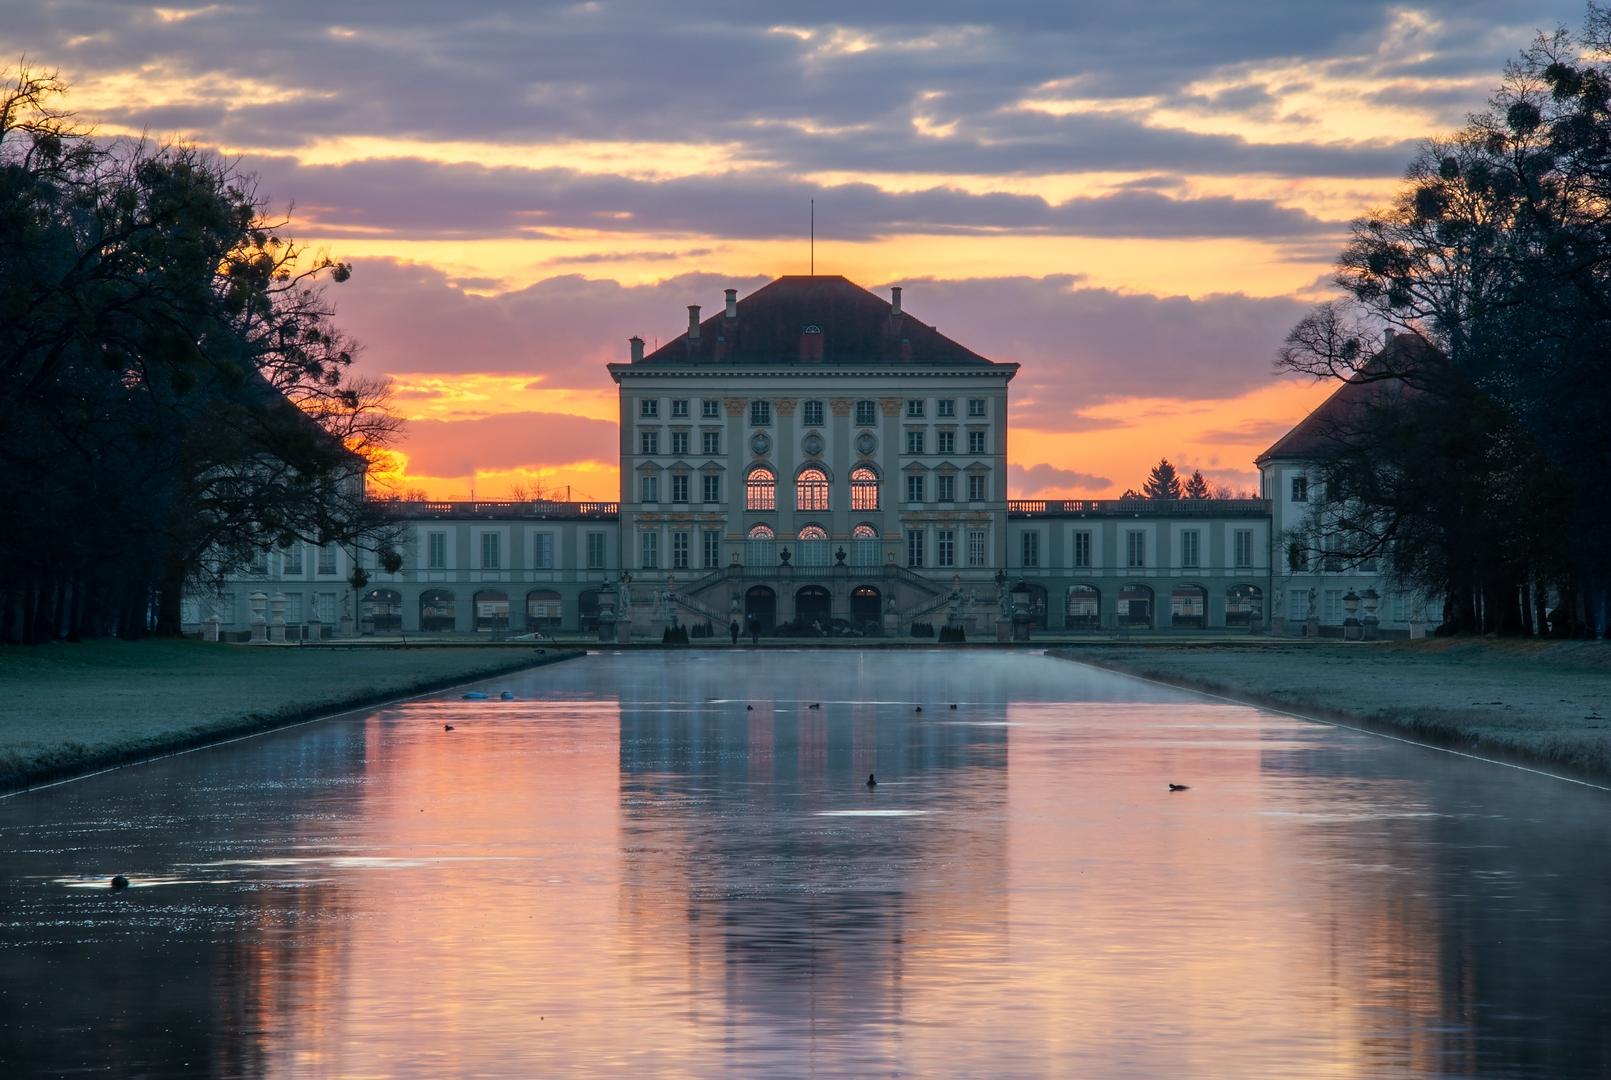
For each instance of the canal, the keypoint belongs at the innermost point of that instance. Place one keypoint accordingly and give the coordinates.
(671, 864)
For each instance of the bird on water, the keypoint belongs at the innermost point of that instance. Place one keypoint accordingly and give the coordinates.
(1178, 787)
(447, 727)
(119, 883)
(920, 708)
(872, 781)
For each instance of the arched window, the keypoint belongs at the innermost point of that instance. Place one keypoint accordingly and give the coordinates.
(863, 489)
(760, 491)
(811, 490)
(813, 547)
(761, 547)
(864, 546)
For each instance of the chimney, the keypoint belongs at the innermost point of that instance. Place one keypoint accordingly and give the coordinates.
(637, 348)
(693, 322)
(895, 300)
(732, 303)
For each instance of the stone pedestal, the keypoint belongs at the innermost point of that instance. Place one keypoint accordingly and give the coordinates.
(1371, 627)
(1417, 629)
(1278, 626)
(276, 621)
(1003, 629)
(1352, 630)
(1255, 625)
(315, 630)
(259, 624)
(210, 628)
(366, 626)
(1311, 626)
(346, 626)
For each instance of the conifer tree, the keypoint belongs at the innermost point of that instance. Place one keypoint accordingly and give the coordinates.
(1197, 486)
(1164, 483)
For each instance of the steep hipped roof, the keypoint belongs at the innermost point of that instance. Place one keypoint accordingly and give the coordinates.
(1391, 371)
(822, 319)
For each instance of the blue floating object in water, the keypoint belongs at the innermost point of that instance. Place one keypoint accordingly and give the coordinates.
(507, 696)
(475, 695)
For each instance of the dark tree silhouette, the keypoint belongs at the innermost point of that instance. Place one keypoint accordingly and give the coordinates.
(1163, 483)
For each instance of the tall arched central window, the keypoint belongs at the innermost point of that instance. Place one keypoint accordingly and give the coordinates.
(811, 490)
(760, 491)
(812, 547)
(863, 489)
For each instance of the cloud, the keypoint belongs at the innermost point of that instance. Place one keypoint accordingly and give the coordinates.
(1045, 479)
(450, 448)
(412, 198)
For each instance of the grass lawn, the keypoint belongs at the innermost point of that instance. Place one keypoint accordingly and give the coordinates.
(67, 709)
(1548, 703)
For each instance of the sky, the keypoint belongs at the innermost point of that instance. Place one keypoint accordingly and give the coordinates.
(1134, 202)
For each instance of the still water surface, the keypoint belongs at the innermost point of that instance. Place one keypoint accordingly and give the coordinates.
(663, 864)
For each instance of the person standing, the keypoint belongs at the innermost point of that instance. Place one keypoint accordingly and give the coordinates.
(733, 629)
(755, 630)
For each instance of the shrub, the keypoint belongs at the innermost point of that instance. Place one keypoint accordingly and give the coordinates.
(674, 635)
(951, 635)
(922, 629)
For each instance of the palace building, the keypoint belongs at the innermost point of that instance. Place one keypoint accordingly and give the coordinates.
(812, 453)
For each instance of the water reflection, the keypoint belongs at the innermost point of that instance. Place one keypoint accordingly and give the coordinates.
(669, 864)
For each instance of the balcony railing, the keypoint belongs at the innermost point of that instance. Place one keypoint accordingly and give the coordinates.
(488, 508)
(1143, 507)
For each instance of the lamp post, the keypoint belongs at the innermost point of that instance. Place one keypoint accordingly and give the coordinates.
(1372, 624)
(1351, 627)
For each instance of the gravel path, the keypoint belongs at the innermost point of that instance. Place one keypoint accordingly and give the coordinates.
(68, 709)
(1543, 703)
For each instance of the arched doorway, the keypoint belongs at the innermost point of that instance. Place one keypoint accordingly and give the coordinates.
(1188, 607)
(1037, 606)
(1084, 608)
(1135, 606)
(385, 607)
(866, 606)
(542, 610)
(813, 603)
(587, 611)
(761, 604)
(1242, 604)
(492, 610)
(437, 610)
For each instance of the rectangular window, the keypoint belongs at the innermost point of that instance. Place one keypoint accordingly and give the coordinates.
(542, 553)
(1332, 612)
(978, 442)
(679, 551)
(293, 559)
(327, 559)
(436, 551)
(1031, 549)
(1244, 548)
(649, 407)
(760, 414)
(325, 605)
(709, 408)
(679, 406)
(978, 553)
(1135, 549)
(1082, 549)
(947, 442)
(914, 407)
(1300, 489)
(595, 551)
(977, 488)
(1297, 606)
(1190, 548)
(293, 607)
(867, 413)
(947, 486)
(713, 550)
(679, 443)
(679, 489)
(976, 406)
(651, 551)
(914, 547)
(259, 563)
(945, 547)
(489, 551)
(914, 489)
(811, 414)
(651, 489)
(914, 442)
(711, 442)
(648, 442)
(1331, 544)
(711, 488)
(945, 407)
